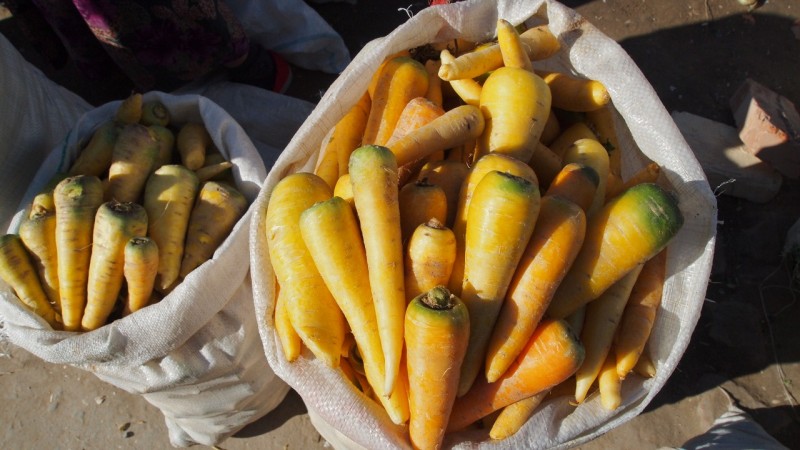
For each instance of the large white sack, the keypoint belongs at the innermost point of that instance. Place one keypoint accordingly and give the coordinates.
(196, 355)
(338, 411)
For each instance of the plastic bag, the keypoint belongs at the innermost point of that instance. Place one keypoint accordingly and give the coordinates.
(343, 415)
(201, 368)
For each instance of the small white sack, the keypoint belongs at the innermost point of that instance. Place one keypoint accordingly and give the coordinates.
(196, 354)
(343, 415)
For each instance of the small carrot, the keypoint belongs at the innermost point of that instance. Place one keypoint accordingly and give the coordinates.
(578, 130)
(310, 306)
(429, 257)
(467, 89)
(154, 112)
(18, 272)
(332, 237)
(139, 269)
(373, 175)
(514, 416)
(43, 202)
(644, 366)
(511, 47)
(166, 145)
(640, 313)
(515, 103)
(500, 221)
(419, 202)
(600, 324)
(488, 163)
(551, 356)
(210, 172)
(344, 189)
(217, 209)
(168, 199)
(455, 127)
(434, 319)
(192, 143)
(291, 343)
(591, 153)
(76, 199)
(130, 109)
(609, 383)
(115, 224)
(573, 93)
(401, 79)
(546, 164)
(449, 175)
(576, 182)
(556, 240)
(134, 155)
(627, 231)
(38, 234)
(95, 157)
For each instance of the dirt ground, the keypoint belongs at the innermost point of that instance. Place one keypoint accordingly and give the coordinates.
(746, 345)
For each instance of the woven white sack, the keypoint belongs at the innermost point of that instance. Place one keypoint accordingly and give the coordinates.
(196, 354)
(338, 411)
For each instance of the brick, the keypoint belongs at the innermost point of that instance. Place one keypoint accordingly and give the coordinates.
(730, 169)
(769, 126)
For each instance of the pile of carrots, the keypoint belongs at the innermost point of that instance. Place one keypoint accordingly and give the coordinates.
(145, 203)
(466, 245)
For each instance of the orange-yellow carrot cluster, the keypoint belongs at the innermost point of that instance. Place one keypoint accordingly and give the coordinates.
(466, 237)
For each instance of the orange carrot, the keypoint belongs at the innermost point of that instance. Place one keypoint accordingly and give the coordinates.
(577, 183)
(500, 221)
(556, 239)
(546, 164)
(419, 202)
(418, 111)
(591, 153)
(434, 319)
(429, 257)
(551, 356)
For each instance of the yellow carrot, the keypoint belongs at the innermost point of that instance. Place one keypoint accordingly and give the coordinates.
(18, 272)
(115, 224)
(217, 209)
(600, 324)
(192, 143)
(644, 366)
(546, 164)
(434, 93)
(434, 319)
(373, 175)
(134, 155)
(38, 234)
(344, 189)
(449, 175)
(609, 383)
(419, 202)
(401, 79)
(592, 154)
(130, 109)
(332, 237)
(291, 343)
(429, 258)
(577, 183)
(166, 145)
(511, 47)
(556, 239)
(210, 172)
(488, 163)
(168, 199)
(572, 93)
(500, 221)
(311, 307)
(328, 167)
(140, 269)
(347, 133)
(640, 314)
(76, 199)
(154, 112)
(552, 128)
(43, 201)
(453, 128)
(578, 130)
(514, 416)
(467, 89)
(515, 103)
(627, 231)
(95, 157)
(601, 121)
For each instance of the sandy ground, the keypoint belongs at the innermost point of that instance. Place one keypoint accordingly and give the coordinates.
(695, 53)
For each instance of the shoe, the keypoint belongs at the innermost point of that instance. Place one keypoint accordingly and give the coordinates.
(265, 69)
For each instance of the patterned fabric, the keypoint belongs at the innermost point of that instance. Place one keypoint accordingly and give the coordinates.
(157, 44)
